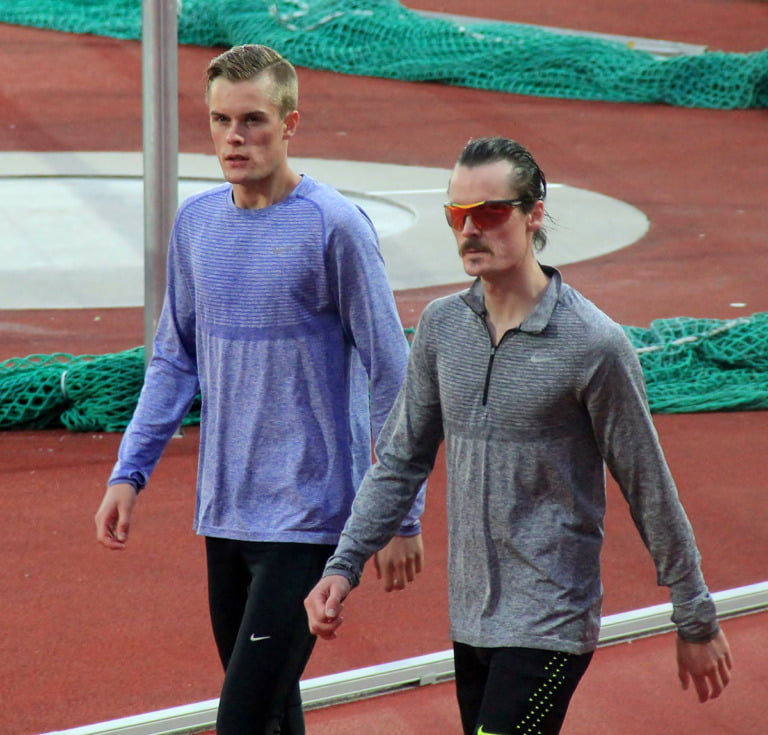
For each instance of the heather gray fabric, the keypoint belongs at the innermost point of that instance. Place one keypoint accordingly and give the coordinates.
(528, 427)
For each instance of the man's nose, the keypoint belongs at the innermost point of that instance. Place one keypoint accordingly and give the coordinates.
(469, 227)
(234, 134)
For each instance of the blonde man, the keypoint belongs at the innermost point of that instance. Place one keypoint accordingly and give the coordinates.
(278, 311)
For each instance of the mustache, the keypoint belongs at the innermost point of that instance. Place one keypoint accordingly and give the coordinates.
(476, 246)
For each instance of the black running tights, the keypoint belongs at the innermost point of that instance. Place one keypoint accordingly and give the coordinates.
(515, 691)
(256, 593)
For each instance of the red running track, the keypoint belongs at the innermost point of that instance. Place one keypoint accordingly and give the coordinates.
(92, 636)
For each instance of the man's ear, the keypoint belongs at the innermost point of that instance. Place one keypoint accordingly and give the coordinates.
(536, 217)
(290, 124)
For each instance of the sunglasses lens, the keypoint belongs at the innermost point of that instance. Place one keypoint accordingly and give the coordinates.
(454, 217)
(485, 215)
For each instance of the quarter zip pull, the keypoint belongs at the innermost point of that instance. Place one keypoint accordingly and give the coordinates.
(488, 375)
(494, 348)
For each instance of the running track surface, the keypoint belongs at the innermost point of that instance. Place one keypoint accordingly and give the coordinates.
(92, 636)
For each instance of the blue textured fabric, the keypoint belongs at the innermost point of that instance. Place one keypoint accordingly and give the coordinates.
(284, 320)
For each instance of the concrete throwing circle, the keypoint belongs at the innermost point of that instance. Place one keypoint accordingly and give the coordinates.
(73, 224)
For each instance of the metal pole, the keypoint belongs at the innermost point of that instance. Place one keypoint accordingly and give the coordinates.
(161, 144)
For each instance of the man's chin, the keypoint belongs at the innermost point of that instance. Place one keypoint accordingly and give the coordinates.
(474, 256)
(235, 172)
(472, 266)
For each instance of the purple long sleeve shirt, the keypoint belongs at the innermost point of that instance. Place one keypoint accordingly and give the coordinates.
(284, 320)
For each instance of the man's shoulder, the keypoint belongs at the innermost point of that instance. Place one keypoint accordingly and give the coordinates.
(202, 199)
(582, 315)
(335, 206)
(443, 304)
(322, 193)
(445, 314)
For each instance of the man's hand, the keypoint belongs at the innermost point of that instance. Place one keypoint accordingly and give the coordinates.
(113, 518)
(399, 561)
(707, 664)
(324, 605)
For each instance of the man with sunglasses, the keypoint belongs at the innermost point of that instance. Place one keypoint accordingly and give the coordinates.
(534, 390)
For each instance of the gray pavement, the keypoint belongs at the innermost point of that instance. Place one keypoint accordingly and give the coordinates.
(72, 224)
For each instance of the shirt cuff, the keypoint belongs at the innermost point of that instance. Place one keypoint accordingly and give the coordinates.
(409, 529)
(339, 565)
(696, 619)
(137, 478)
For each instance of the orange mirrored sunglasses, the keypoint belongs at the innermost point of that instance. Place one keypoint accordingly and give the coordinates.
(485, 215)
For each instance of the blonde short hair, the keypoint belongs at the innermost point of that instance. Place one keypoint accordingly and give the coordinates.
(242, 63)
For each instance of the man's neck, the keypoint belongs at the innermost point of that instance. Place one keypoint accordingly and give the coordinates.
(267, 192)
(510, 300)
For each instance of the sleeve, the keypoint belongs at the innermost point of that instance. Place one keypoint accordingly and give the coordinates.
(628, 441)
(406, 452)
(369, 317)
(170, 383)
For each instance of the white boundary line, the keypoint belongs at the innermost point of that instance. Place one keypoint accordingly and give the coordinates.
(407, 673)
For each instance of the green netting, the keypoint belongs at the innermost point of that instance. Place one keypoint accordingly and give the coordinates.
(693, 365)
(690, 365)
(81, 393)
(383, 38)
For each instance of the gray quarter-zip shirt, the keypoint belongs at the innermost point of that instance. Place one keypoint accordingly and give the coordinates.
(529, 426)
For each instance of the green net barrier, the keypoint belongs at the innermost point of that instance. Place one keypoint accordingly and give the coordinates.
(383, 38)
(80, 393)
(693, 365)
(690, 365)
